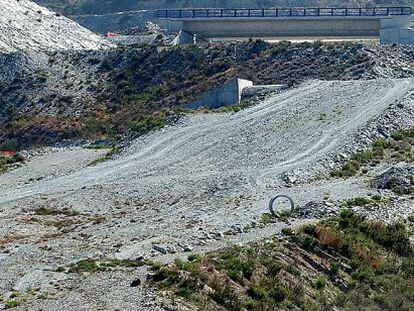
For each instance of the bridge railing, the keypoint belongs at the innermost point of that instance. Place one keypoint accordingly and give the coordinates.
(281, 12)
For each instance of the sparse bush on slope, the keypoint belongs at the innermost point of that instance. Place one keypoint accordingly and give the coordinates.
(352, 264)
(399, 148)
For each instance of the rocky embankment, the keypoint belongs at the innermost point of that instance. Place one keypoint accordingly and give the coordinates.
(105, 94)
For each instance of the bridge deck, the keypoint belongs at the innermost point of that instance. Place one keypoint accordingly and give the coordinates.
(183, 14)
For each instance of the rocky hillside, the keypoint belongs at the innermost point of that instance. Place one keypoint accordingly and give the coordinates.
(27, 26)
(346, 263)
(102, 94)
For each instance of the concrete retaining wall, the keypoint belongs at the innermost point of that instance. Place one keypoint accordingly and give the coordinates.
(226, 95)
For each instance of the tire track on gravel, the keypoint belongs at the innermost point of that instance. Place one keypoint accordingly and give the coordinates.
(258, 142)
(321, 148)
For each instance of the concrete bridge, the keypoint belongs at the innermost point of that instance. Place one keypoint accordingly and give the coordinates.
(389, 24)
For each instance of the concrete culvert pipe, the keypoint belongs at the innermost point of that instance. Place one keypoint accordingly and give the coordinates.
(272, 202)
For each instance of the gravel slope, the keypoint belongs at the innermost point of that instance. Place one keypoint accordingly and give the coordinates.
(293, 130)
(192, 186)
(24, 25)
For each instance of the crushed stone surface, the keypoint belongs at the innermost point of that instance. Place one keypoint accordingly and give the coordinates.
(192, 187)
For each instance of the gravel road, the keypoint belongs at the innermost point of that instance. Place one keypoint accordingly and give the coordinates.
(194, 186)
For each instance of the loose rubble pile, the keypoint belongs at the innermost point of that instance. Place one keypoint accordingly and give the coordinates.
(317, 210)
(394, 209)
(149, 28)
(397, 177)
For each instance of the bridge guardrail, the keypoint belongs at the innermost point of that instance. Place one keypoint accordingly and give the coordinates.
(281, 12)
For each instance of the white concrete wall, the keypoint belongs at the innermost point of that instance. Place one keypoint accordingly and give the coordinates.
(183, 38)
(226, 95)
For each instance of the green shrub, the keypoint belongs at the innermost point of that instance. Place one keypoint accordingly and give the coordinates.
(273, 268)
(309, 229)
(348, 170)
(86, 265)
(400, 190)
(8, 144)
(320, 283)
(148, 123)
(18, 157)
(376, 197)
(257, 292)
(266, 218)
(225, 295)
(237, 269)
(395, 236)
(9, 304)
(107, 65)
(194, 257)
(187, 288)
(287, 231)
(398, 135)
(363, 157)
(334, 269)
(307, 243)
(379, 144)
(359, 201)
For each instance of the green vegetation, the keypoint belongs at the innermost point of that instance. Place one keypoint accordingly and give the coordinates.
(284, 215)
(362, 201)
(397, 149)
(320, 282)
(15, 294)
(287, 231)
(266, 218)
(322, 117)
(7, 161)
(270, 275)
(9, 304)
(9, 144)
(46, 211)
(137, 88)
(148, 123)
